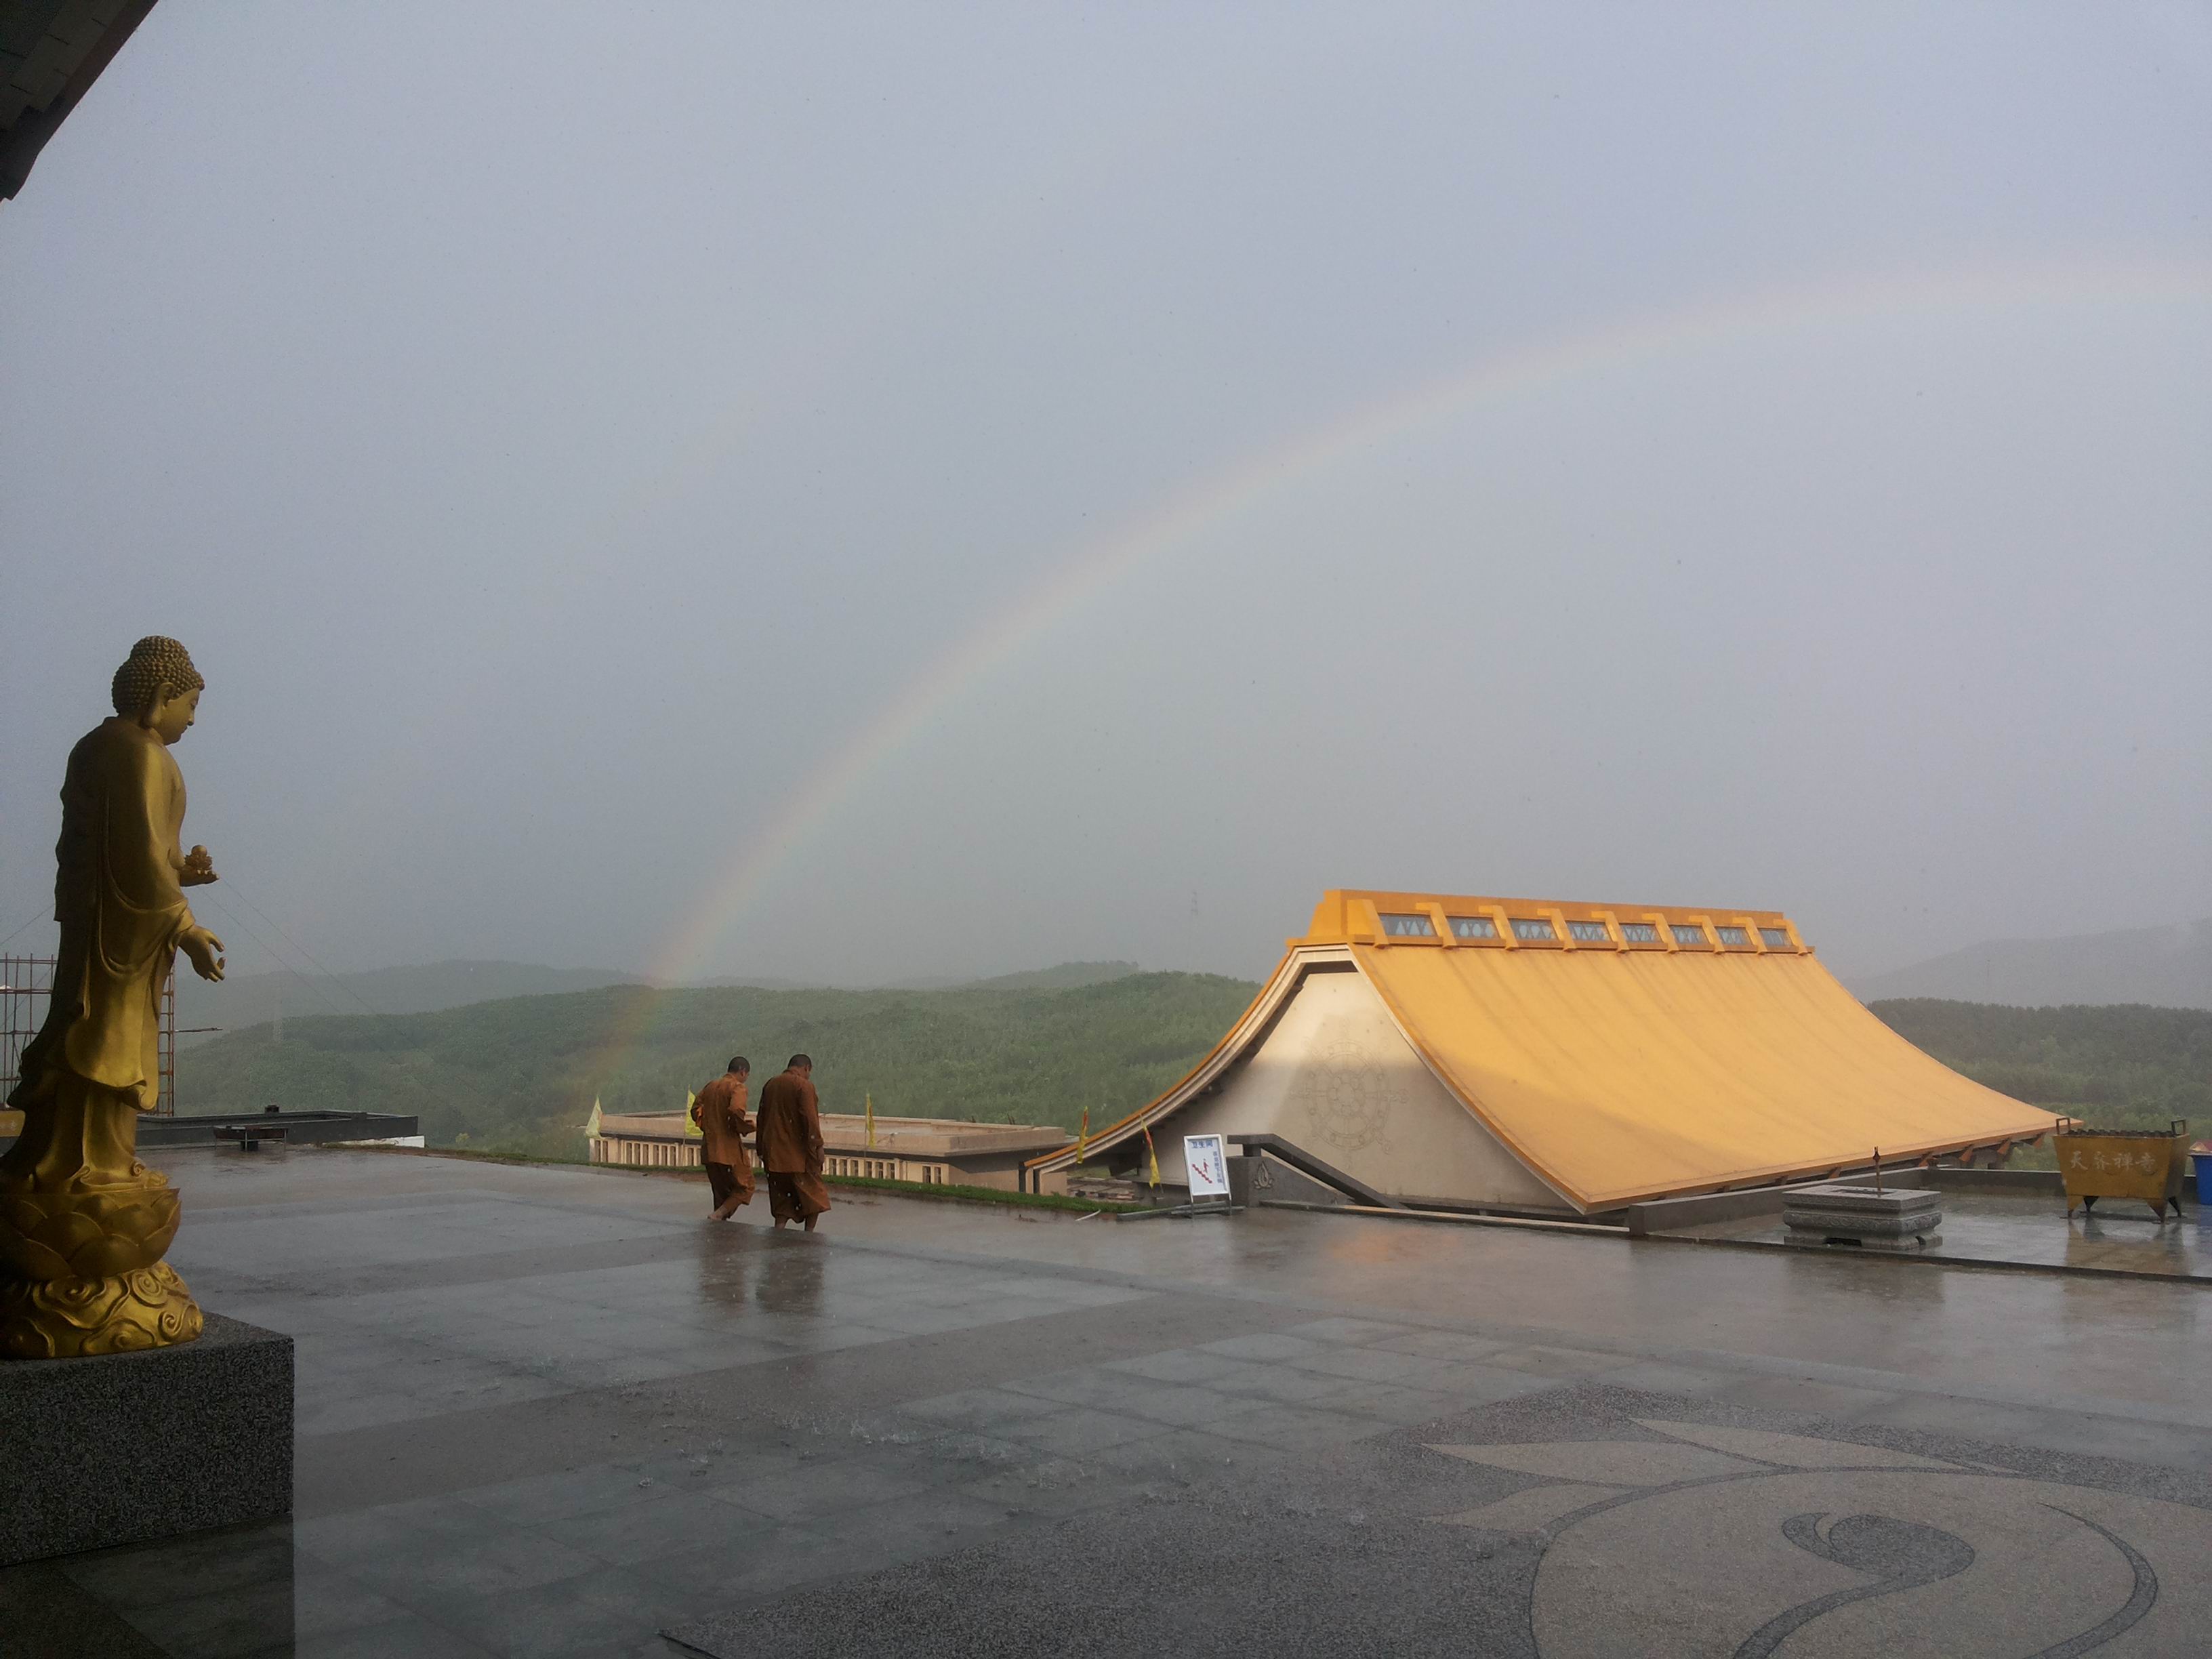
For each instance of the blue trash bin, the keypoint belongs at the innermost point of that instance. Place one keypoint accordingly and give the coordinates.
(2202, 1162)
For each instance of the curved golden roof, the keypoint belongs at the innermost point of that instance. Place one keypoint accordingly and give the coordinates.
(1651, 1051)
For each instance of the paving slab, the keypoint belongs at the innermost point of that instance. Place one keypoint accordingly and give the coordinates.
(1580, 1522)
(2030, 1231)
(557, 1411)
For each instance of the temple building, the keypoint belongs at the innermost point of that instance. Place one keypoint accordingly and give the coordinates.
(1547, 1057)
(935, 1151)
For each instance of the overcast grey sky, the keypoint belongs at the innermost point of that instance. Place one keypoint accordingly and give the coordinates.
(852, 493)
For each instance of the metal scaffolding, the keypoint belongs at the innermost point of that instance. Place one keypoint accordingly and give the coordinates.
(27, 986)
(165, 1103)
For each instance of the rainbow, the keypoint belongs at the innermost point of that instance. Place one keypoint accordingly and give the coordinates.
(1208, 503)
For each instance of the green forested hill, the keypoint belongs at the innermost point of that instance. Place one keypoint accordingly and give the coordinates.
(520, 1075)
(2127, 1066)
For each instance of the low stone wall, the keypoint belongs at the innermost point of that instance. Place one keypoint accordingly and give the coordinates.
(2025, 1181)
(1667, 1215)
(1255, 1178)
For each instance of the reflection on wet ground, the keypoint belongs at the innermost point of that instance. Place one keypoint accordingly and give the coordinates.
(551, 1412)
(2118, 1237)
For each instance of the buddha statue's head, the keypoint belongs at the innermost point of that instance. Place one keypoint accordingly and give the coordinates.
(158, 687)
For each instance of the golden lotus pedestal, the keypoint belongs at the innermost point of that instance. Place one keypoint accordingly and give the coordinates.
(81, 1273)
(83, 1227)
(130, 1415)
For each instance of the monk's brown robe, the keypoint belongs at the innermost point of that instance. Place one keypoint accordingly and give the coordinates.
(96, 1063)
(723, 1125)
(790, 1141)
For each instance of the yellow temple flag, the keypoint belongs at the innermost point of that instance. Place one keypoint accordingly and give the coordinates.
(1152, 1152)
(870, 1099)
(690, 1122)
(1083, 1136)
(592, 1124)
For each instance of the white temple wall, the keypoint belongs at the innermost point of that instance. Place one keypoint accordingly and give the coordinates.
(1335, 1077)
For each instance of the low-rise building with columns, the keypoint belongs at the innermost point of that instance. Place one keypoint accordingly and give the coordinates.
(934, 1151)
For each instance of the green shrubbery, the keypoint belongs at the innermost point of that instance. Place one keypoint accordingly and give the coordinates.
(2126, 1067)
(519, 1076)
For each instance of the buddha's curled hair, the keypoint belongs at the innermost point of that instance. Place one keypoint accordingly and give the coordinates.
(157, 664)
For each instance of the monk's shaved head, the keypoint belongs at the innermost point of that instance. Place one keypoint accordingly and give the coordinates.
(799, 1061)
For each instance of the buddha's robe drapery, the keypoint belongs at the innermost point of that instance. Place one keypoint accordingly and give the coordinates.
(83, 1224)
(789, 1137)
(121, 905)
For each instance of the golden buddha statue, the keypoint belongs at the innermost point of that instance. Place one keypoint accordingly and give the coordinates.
(84, 1224)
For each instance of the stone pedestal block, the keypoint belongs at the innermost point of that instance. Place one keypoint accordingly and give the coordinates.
(1849, 1213)
(131, 1446)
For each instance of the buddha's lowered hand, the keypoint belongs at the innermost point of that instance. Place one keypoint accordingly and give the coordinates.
(204, 949)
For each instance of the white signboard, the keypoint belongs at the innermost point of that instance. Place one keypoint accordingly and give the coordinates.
(1207, 1162)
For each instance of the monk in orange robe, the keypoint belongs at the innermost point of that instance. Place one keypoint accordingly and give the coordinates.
(790, 1140)
(720, 1112)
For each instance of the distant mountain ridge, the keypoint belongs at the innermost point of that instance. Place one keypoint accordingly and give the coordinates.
(1067, 976)
(2164, 967)
(250, 999)
(261, 999)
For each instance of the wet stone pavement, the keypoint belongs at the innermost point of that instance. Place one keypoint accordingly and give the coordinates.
(550, 1411)
(2120, 1235)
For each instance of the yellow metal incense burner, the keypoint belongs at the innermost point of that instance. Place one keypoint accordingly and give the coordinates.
(2144, 1164)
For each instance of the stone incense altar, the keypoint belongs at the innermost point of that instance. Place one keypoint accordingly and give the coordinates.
(1866, 1216)
(84, 1224)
